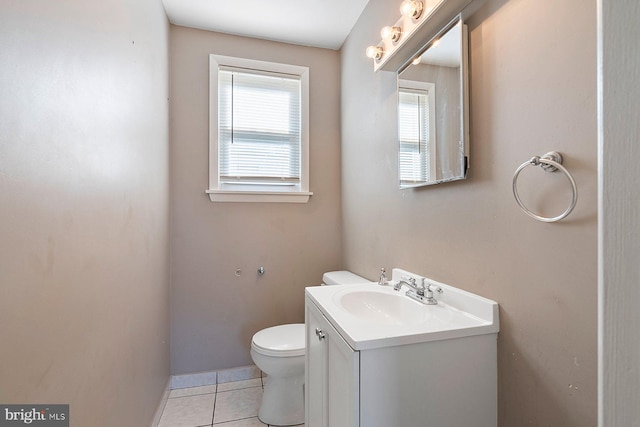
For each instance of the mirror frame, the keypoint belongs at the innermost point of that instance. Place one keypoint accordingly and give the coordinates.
(464, 98)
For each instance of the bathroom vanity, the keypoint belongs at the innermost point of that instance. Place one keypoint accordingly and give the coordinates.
(375, 357)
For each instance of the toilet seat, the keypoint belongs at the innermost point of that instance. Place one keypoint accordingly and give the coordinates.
(280, 341)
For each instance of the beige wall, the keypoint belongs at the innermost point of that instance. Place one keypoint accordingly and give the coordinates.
(533, 89)
(84, 315)
(214, 313)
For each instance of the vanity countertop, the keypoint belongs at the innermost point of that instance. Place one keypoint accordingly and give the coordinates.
(372, 316)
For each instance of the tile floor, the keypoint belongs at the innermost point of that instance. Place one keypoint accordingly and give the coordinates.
(233, 404)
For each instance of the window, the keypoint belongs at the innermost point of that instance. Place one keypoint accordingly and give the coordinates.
(416, 132)
(259, 131)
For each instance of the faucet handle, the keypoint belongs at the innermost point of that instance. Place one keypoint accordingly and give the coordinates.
(429, 287)
(428, 290)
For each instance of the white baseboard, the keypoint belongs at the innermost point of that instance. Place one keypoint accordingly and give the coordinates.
(161, 404)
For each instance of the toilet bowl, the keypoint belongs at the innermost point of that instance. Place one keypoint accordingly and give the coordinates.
(279, 352)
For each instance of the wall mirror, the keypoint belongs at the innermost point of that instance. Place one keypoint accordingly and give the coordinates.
(433, 111)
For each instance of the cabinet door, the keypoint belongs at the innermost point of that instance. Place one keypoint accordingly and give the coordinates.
(343, 381)
(315, 369)
(332, 375)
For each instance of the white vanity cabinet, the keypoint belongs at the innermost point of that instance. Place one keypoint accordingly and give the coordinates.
(440, 373)
(332, 374)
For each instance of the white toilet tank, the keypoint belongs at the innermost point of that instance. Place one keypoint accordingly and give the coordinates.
(342, 278)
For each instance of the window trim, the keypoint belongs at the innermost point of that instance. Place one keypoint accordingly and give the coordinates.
(428, 88)
(224, 192)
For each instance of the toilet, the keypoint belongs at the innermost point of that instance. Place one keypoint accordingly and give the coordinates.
(279, 352)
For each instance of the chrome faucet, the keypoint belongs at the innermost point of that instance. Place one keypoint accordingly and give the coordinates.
(422, 292)
(410, 282)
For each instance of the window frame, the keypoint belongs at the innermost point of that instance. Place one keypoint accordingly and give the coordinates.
(229, 192)
(427, 89)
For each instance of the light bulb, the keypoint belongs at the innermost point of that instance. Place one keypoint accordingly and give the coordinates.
(374, 52)
(411, 8)
(391, 33)
(417, 60)
(435, 43)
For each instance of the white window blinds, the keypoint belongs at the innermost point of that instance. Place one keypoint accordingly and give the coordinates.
(259, 131)
(413, 129)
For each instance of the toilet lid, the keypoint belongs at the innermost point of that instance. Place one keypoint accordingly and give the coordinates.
(283, 340)
(342, 278)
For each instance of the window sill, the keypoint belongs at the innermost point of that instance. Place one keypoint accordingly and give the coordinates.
(253, 196)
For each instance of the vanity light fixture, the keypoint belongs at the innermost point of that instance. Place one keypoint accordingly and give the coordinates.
(420, 21)
(417, 60)
(391, 33)
(411, 8)
(374, 52)
(413, 14)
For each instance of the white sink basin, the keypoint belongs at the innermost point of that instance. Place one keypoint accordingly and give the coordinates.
(372, 316)
(382, 308)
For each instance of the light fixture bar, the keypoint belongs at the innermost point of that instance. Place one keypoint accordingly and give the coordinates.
(398, 45)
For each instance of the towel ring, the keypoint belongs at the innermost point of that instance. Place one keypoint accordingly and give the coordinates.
(550, 162)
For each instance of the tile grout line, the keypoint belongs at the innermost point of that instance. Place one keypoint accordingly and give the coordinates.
(191, 395)
(241, 388)
(244, 418)
(215, 400)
